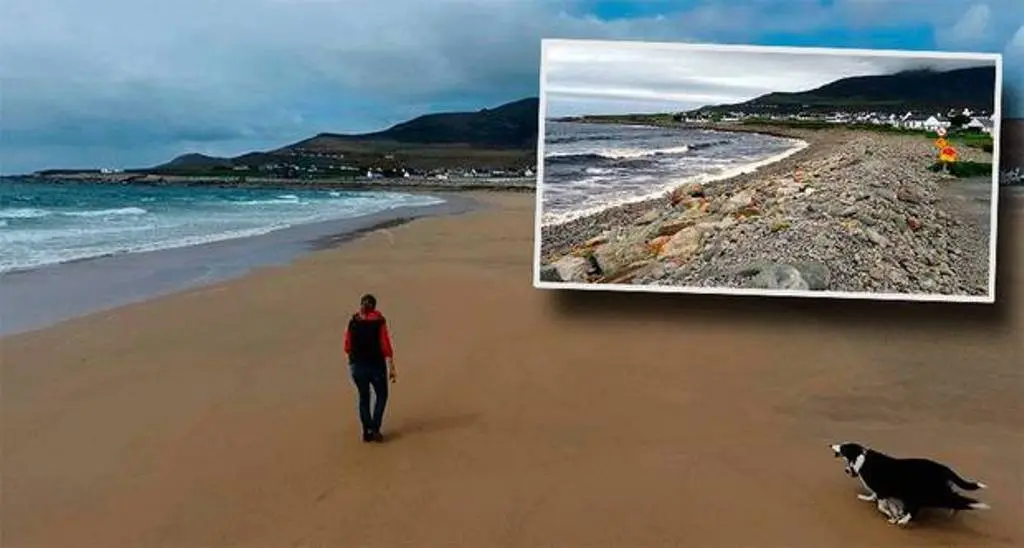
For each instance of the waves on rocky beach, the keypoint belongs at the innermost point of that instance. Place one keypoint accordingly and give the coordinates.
(589, 168)
(856, 212)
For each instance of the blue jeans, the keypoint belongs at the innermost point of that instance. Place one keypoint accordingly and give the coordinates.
(367, 376)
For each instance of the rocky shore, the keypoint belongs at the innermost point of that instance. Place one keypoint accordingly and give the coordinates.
(855, 211)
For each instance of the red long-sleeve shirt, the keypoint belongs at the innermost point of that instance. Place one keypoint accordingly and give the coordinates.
(385, 337)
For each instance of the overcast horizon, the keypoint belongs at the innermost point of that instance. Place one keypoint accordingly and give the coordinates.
(602, 78)
(132, 83)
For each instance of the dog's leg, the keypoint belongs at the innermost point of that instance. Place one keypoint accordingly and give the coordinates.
(884, 508)
(905, 519)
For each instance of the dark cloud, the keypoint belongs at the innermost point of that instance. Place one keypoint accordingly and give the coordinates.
(683, 77)
(144, 77)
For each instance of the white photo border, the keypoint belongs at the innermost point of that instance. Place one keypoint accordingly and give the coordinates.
(988, 298)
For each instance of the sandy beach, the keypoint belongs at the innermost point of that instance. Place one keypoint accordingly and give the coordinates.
(223, 416)
(853, 212)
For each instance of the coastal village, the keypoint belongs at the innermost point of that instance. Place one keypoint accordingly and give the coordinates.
(300, 167)
(981, 122)
(302, 164)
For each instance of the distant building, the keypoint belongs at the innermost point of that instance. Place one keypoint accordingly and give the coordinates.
(975, 124)
(987, 125)
(933, 123)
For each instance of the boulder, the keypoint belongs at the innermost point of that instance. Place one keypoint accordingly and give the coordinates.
(689, 190)
(817, 275)
(569, 269)
(742, 200)
(597, 240)
(549, 273)
(797, 276)
(625, 249)
(657, 243)
(687, 219)
(683, 244)
(649, 217)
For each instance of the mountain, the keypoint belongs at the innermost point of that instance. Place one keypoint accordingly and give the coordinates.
(512, 125)
(194, 160)
(921, 90)
(504, 137)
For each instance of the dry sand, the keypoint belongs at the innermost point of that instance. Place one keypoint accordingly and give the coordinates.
(224, 417)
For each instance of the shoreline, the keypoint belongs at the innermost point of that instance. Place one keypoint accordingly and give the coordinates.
(590, 226)
(798, 144)
(40, 297)
(412, 184)
(853, 212)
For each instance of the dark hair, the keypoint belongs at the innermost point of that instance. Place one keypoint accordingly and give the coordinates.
(369, 300)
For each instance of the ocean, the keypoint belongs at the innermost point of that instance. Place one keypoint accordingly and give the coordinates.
(45, 223)
(592, 167)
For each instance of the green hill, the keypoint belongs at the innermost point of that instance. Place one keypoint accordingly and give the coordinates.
(912, 90)
(501, 138)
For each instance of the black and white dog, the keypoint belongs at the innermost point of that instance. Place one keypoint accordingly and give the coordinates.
(914, 483)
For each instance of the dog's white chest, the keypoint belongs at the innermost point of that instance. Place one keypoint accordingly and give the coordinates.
(865, 485)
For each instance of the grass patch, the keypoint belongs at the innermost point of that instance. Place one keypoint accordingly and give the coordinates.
(966, 169)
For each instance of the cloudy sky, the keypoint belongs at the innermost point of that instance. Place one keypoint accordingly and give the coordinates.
(137, 82)
(615, 77)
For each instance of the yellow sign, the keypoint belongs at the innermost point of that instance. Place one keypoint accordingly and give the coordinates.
(947, 154)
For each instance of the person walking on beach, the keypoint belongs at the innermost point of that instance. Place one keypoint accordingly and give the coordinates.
(371, 363)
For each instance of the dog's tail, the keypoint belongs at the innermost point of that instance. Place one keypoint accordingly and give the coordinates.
(964, 484)
(960, 502)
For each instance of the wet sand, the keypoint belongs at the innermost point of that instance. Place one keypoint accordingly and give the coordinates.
(223, 416)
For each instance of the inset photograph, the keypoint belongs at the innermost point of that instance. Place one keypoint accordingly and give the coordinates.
(748, 170)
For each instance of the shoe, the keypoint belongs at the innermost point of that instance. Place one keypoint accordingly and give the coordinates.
(367, 436)
(376, 436)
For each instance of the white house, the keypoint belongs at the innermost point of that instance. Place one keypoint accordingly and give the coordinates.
(984, 125)
(914, 123)
(933, 123)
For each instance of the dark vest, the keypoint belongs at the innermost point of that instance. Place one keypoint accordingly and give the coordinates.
(364, 340)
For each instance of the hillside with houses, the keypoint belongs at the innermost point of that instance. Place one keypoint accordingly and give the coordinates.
(911, 100)
(965, 119)
(495, 142)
